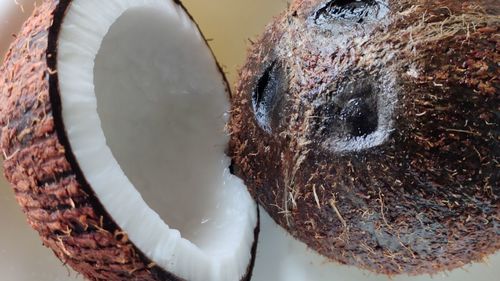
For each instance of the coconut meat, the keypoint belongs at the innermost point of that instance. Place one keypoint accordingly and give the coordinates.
(144, 107)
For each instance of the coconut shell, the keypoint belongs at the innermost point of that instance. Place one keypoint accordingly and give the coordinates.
(49, 185)
(371, 130)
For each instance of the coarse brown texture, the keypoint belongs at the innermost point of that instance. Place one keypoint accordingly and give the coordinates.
(57, 203)
(370, 130)
(49, 185)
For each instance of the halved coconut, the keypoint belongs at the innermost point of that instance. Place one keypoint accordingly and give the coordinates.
(113, 119)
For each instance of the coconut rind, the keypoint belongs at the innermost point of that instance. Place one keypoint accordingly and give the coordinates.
(331, 201)
(68, 217)
(49, 186)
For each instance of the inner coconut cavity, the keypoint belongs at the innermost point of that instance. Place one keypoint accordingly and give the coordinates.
(144, 107)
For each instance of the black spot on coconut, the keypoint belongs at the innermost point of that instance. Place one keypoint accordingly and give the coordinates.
(359, 110)
(352, 10)
(360, 117)
(351, 114)
(268, 95)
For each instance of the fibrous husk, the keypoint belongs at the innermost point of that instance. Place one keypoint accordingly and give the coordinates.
(375, 138)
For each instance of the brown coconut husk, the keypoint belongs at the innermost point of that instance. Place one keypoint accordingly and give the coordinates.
(422, 74)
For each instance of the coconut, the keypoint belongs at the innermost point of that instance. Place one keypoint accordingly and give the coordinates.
(113, 118)
(370, 130)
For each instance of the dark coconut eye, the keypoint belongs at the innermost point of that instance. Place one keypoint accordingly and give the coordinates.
(351, 10)
(357, 115)
(358, 110)
(268, 95)
(360, 116)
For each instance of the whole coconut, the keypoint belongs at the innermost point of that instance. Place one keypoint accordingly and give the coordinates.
(370, 130)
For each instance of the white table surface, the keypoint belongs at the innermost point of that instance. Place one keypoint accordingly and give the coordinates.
(279, 258)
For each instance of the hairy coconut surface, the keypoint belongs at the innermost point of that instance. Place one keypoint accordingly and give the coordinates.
(370, 130)
(113, 117)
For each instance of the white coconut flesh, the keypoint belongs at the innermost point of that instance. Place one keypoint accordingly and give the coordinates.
(144, 107)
